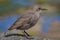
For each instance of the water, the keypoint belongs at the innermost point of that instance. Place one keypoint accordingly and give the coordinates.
(22, 2)
(6, 22)
(48, 21)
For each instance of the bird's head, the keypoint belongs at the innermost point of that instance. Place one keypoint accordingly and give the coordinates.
(38, 9)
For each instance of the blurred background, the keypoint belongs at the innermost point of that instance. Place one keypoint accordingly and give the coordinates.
(48, 25)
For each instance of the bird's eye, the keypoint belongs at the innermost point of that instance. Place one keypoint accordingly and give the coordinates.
(38, 9)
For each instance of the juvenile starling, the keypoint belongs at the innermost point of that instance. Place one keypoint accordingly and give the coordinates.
(27, 20)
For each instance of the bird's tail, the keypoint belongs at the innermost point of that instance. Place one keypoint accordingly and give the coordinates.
(10, 29)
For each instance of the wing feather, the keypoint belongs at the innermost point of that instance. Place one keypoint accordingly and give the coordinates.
(23, 20)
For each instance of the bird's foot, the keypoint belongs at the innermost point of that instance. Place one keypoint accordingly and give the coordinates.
(29, 37)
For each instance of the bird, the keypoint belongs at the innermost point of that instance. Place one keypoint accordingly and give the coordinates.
(27, 20)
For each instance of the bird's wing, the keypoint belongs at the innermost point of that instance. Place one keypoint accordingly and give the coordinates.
(24, 19)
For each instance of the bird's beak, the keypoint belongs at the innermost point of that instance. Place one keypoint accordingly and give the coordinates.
(44, 9)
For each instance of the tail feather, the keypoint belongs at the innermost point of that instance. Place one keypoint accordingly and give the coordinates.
(10, 29)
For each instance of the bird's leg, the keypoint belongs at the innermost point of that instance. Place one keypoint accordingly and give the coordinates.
(27, 35)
